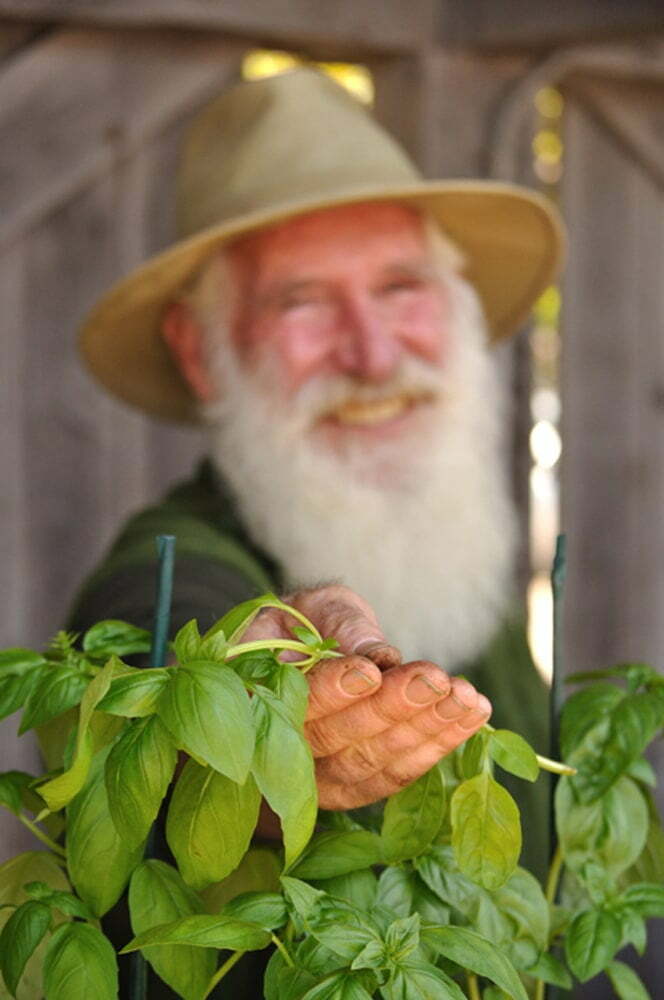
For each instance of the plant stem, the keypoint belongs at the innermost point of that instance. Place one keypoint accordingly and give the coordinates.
(260, 644)
(44, 837)
(221, 972)
(545, 763)
(553, 876)
(284, 951)
(540, 987)
(473, 986)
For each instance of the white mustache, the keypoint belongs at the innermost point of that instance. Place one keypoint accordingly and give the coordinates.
(323, 394)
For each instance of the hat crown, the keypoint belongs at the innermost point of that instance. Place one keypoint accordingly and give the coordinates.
(277, 141)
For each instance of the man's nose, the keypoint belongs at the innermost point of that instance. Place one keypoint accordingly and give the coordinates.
(367, 347)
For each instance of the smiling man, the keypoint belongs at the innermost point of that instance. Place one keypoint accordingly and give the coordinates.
(328, 316)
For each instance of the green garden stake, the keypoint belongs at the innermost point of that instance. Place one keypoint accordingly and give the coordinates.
(558, 571)
(162, 617)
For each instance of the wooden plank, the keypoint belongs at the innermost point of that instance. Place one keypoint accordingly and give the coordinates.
(613, 451)
(386, 25)
(88, 120)
(525, 24)
(633, 111)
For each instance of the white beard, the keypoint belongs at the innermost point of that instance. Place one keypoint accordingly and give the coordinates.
(423, 528)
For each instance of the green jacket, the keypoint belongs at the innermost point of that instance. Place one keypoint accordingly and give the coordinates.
(217, 565)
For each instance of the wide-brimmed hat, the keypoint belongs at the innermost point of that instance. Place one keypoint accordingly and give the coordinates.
(286, 145)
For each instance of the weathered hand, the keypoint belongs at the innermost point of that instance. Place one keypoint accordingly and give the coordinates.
(373, 733)
(336, 611)
(374, 724)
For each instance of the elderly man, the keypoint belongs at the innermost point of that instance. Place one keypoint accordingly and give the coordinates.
(328, 317)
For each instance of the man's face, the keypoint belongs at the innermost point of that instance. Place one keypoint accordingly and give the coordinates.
(344, 296)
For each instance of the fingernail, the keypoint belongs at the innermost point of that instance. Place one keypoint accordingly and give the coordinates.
(356, 682)
(450, 708)
(421, 690)
(472, 720)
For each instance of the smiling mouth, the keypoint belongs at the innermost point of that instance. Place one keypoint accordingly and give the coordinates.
(378, 411)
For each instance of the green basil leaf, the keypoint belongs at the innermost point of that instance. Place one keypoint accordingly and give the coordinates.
(626, 982)
(187, 642)
(207, 711)
(632, 927)
(285, 982)
(15, 689)
(210, 823)
(138, 772)
(396, 890)
(100, 861)
(268, 909)
(421, 981)
(15, 662)
(646, 898)
(315, 957)
(610, 831)
(643, 771)
(56, 689)
(333, 853)
(12, 787)
(649, 866)
(402, 937)
(591, 942)
(626, 671)
(214, 648)
(284, 771)
(58, 792)
(158, 895)
(301, 898)
(513, 754)
(357, 888)
(255, 667)
(486, 831)
(611, 746)
(292, 689)
(135, 693)
(338, 986)
(66, 902)
(551, 970)
(14, 874)
(20, 936)
(258, 871)
(583, 709)
(116, 638)
(470, 951)
(239, 618)
(204, 931)
(473, 754)
(522, 901)
(80, 963)
(413, 817)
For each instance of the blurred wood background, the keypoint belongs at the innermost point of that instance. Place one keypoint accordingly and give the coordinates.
(96, 94)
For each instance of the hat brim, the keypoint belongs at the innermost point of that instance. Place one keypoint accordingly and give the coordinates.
(512, 239)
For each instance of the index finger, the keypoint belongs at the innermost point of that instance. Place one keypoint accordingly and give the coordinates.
(339, 613)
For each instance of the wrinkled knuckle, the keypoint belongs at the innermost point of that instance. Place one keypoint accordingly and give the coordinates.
(317, 736)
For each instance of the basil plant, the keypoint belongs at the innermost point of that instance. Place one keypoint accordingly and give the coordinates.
(431, 904)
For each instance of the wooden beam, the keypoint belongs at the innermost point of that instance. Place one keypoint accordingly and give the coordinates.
(371, 25)
(521, 24)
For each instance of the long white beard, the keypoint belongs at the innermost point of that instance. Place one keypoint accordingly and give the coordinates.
(423, 528)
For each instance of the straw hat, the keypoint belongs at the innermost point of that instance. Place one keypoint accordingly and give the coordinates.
(278, 147)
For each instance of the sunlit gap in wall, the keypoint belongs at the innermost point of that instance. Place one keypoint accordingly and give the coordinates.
(356, 79)
(545, 405)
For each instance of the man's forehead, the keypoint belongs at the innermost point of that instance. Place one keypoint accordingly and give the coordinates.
(394, 226)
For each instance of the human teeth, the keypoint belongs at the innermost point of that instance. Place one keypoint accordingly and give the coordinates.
(371, 413)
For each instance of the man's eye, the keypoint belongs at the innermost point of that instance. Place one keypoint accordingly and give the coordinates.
(401, 285)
